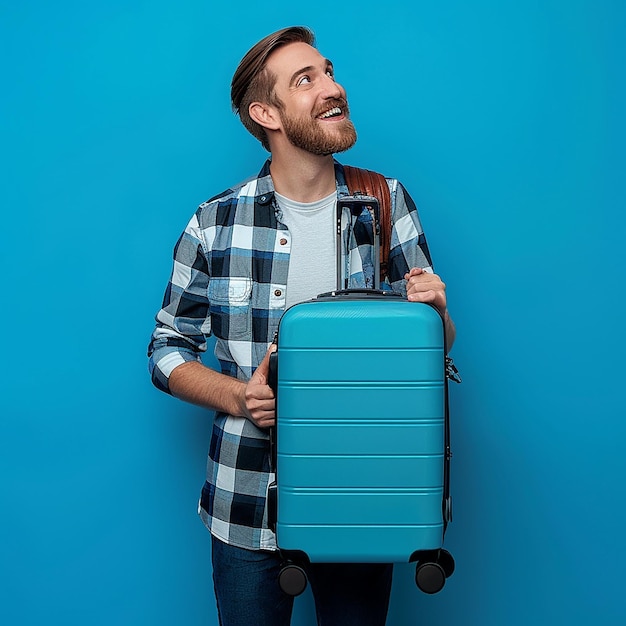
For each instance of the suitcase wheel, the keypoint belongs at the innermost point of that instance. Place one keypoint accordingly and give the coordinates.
(433, 567)
(292, 579)
(430, 577)
(446, 561)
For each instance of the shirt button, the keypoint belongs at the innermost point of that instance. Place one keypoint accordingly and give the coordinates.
(278, 293)
(283, 242)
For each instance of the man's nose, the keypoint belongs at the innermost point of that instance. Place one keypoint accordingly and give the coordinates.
(332, 89)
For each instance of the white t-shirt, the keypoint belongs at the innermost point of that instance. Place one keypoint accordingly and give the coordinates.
(312, 261)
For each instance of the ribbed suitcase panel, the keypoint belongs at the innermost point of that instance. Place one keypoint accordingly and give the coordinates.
(361, 323)
(360, 430)
(360, 544)
(363, 367)
(370, 401)
(351, 471)
(326, 437)
(355, 507)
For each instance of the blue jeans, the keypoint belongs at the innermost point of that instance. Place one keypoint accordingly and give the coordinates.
(248, 594)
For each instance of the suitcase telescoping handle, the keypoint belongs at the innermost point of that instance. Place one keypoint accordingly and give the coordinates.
(352, 207)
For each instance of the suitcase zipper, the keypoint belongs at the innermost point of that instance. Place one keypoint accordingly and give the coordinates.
(452, 373)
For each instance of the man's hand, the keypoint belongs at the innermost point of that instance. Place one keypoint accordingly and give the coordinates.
(423, 286)
(260, 404)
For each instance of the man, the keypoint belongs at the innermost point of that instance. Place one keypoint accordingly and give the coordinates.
(244, 257)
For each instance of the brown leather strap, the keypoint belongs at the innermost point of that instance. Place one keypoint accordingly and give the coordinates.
(374, 184)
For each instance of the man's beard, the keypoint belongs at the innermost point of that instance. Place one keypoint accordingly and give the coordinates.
(318, 137)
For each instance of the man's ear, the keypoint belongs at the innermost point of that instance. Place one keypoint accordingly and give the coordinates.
(265, 115)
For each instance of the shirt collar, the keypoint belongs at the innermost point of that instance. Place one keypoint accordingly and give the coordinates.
(265, 185)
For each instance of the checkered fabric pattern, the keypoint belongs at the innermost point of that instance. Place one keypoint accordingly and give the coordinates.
(229, 279)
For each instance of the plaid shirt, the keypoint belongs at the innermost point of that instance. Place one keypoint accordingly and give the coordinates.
(229, 279)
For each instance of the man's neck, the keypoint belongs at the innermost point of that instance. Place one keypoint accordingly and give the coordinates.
(303, 177)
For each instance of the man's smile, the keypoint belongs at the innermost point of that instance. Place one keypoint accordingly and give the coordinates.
(331, 113)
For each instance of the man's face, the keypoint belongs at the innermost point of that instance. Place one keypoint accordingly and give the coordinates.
(314, 112)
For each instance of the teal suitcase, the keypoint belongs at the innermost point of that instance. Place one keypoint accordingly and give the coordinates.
(361, 446)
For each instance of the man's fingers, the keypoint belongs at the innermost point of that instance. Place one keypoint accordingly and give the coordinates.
(414, 271)
(420, 280)
(259, 397)
(261, 373)
(423, 296)
(263, 416)
(265, 422)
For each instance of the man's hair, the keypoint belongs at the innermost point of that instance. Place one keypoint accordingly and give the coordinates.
(252, 82)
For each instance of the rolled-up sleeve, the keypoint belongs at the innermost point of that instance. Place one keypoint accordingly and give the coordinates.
(183, 322)
(408, 247)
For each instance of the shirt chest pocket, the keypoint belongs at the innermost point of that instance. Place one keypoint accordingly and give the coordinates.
(230, 307)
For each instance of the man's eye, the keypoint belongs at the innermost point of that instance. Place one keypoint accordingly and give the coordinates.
(331, 74)
(303, 81)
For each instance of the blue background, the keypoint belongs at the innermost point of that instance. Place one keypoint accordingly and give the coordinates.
(503, 119)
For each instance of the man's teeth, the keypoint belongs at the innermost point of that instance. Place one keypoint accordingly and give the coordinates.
(331, 113)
